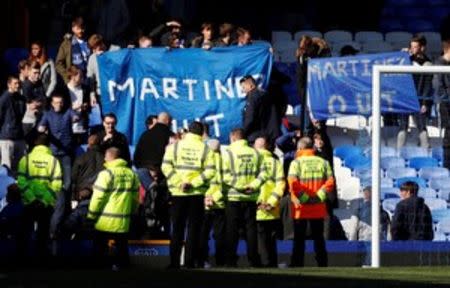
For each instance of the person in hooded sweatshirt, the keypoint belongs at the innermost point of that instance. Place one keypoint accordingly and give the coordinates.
(412, 217)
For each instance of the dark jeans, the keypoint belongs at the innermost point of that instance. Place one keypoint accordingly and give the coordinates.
(186, 211)
(144, 177)
(40, 214)
(298, 253)
(119, 255)
(267, 242)
(63, 202)
(214, 219)
(241, 214)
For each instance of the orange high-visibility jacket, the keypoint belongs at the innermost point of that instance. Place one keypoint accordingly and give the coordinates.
(310, 180)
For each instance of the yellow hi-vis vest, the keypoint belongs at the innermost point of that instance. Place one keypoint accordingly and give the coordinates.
(39, 176)
(115, 198)
(242, 168)
(215, 189)
(272, 189)
(188, 161)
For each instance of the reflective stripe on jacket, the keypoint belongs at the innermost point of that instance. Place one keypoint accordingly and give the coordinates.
(39, 176)
(242, 168)
(309, 177)
(272, 189)
(215, 189)
(188, 161)
(115, 197)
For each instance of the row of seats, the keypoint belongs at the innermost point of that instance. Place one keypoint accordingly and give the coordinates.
(336, 36)
(367, 42)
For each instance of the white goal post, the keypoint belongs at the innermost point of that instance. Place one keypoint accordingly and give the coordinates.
(376, 128)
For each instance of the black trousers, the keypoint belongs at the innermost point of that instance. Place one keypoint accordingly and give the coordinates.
(241, 214)
(267, 242)
(298, 253)
(215, 220)
(119, 255)
(186, 211)
(40, 214)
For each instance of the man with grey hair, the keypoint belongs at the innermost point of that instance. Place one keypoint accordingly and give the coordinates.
(310, 182)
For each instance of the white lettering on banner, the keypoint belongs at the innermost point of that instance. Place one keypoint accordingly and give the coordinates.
(190, 83)
(350, 68)
(170, 88)
(363, 102)
(148, 87)
(215, 120)
(129, 84)
(206, 90)
(332, 100)
(230, 87)
(210, 118)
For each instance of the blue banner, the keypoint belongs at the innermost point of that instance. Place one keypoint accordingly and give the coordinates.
(343, 86)
(189, 84)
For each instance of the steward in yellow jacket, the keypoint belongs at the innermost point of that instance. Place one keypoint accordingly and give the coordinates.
(215, 211)
(268, 212)
(189, 167)
(114, 202)
(40, 181)
(242, 177)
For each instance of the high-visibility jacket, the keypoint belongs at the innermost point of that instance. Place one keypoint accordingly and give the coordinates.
(272, 189)
(188, 161)
(215, 189)
(242, 168)
(39, 176)
(310, 180)
(115, 198)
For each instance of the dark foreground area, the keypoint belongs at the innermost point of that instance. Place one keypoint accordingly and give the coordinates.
(306, 277)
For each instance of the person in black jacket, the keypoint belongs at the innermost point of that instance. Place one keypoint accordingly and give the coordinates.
(260, 114)
(150, 149)
(12, 110)
(32, 87)
(110, 137)
(424, 88)
(412, 217)
(87, 166)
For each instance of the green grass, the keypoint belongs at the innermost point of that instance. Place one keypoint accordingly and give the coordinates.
(233, 278)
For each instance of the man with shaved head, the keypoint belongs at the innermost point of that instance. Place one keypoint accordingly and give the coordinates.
(151, 147)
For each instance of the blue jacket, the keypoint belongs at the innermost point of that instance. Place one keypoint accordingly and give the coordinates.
(12, 109)
(76, 222)
(59, 125)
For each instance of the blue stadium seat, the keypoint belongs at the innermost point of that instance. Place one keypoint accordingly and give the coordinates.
(131, 148)
(420, 181)
(433, 172)
(347, 150)
(427, 193)
(440, 214)
(391, 162)
(387, 183)
(409, 152)
(422, 162)
(391, 192)
(357, 161)
(444, 194)
(438, 153)
(435, 204)
(390, 204)
(440, 183)
(400, 172)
